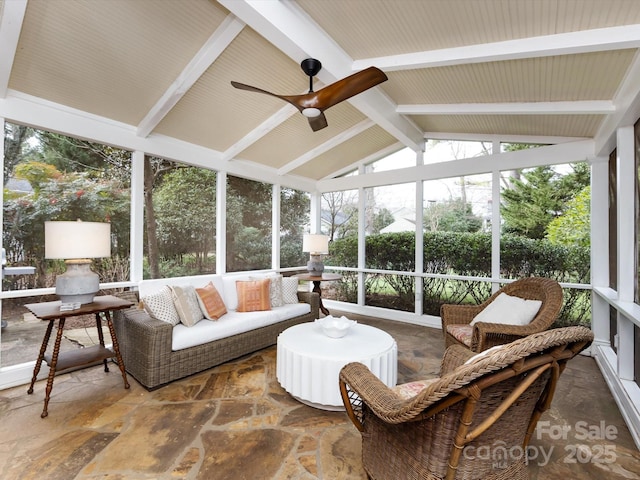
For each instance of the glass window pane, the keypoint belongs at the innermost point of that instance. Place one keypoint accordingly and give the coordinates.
(401, 159)
(249, 225)
(180, 219)
(546, 218)
(294, 222)
(437, 151)
(396, 292)
(457, 223)
(546, 221)
(438, 291)
(49, 176)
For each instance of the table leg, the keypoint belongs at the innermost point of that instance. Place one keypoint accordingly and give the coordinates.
(52, 367)
(101, 338)
(116, 348)
(43, 348)
(316, 288)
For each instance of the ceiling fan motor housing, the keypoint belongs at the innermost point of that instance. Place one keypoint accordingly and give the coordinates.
(311, 66)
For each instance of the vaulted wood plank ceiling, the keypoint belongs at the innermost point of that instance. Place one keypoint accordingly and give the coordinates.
(535, 70)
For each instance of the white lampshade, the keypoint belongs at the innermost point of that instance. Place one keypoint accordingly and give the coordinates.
(68, 240)
(76, 243)
(314, 243)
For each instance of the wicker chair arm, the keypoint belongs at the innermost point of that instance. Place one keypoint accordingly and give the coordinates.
(486, 335)
(453, 357)
(452, 314)
(363, 388)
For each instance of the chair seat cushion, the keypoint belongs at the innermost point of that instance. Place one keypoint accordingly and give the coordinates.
(462, 333)
(411, 389)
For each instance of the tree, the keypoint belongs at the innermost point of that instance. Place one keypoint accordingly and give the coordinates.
(16, 146)
(248, 224)
(155, 169)
(36, 173)
(382, 218)
(185, 208)
(69, 154)
(64, 197)
(340, 212)
(452, 215)
(294, 217)
(540, 196)
(573, 227)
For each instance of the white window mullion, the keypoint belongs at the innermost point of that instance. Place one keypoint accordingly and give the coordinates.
(136, 231)
(496, 145)
(362, 205)
(495, 228)
(275, 227)
(419, 255)
(626, 262)
(221, 222)
(315, 213)
(626, 215)
(600, 246)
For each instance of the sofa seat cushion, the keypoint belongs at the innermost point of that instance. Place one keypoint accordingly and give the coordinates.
(232, 323)
(291, 310)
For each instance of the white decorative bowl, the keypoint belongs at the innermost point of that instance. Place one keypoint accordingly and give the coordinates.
(335, 327)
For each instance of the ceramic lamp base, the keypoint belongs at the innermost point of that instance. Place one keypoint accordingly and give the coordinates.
(79, 284)
(315, 265)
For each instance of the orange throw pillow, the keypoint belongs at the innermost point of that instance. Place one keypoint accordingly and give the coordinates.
(253, 295)
(211, 302)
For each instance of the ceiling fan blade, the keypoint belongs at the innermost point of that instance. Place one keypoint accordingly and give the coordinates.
(318, 123)
(341, 90)
(292, 99)
(249, 88)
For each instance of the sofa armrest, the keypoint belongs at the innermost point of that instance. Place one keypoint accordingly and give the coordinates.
(139, 334)
(313, 299)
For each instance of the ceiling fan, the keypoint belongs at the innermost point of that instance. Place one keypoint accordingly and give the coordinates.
(313, 104)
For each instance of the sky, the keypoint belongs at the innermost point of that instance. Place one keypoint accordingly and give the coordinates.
(394, 197)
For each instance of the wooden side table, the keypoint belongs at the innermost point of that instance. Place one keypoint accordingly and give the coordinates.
(316, 279)
(84, 356)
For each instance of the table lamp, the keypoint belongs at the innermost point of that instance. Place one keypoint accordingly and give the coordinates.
(77, 243)
(316, 245)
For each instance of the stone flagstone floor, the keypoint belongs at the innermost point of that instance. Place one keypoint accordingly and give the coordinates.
(236, 422)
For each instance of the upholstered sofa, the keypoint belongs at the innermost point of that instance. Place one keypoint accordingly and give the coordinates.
(156, 352)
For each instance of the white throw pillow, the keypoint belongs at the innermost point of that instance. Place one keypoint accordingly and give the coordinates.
(289, 290)
(185, 299)
(508, 310)
(160, 305)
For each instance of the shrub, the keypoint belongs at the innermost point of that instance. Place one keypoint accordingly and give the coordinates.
(464, 254)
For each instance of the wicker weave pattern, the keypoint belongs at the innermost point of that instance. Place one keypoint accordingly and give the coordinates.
(492, 402)
(145, 344)
(487, 335)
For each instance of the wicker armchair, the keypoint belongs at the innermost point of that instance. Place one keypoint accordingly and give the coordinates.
(493, 402)
(481, 336)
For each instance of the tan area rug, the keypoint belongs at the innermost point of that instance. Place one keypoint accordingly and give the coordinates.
(87, 336)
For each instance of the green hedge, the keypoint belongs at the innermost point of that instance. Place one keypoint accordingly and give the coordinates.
(465, 254)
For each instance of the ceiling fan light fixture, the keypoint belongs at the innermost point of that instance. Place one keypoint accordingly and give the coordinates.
(311, 112)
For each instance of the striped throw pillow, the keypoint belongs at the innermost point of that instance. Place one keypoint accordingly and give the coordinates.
(253, 295)
(211, 302)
